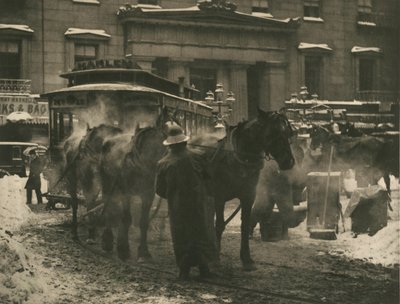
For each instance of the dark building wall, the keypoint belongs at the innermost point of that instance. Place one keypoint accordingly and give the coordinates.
(341, 32)
(49, 50)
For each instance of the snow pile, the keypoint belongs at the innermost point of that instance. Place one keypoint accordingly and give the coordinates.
(18, 281)
(13, 209)
(381, 248)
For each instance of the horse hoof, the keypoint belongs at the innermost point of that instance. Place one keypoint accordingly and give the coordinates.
(251, 266)
(123, 252)
(107, 247)
(90, 241)
(144, 259)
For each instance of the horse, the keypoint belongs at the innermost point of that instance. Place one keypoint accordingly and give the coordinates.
(373, 157)
(235, 163)
(283, 188)
(82, 162)
(128, 168)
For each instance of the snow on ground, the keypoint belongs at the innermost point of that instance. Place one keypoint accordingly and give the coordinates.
(23, 279)
(19, 271)
(381, 248)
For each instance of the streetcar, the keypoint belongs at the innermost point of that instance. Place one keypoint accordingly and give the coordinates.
(119, 93)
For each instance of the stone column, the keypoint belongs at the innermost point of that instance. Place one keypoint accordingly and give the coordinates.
(273, 86)
(146, 63)
(26, 58)
(238, 85)
(178, 68)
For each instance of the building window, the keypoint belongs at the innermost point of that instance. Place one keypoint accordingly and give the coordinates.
(204, 80)
(10, 60)
(313, 73)
(151, 2)
(312, 8)
(260, 6)
(85, 52)
(366, 72)
(364, 10)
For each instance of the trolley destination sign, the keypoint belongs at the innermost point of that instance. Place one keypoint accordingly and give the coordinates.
(72, 100)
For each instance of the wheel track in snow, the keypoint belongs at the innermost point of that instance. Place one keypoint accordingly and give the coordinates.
(269, 294)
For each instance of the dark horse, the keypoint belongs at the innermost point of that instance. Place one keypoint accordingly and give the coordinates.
(373, 157)
(235, 164)
(128, 169)
(82, 167)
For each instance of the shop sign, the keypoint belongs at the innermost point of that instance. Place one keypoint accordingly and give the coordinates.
(9, 104)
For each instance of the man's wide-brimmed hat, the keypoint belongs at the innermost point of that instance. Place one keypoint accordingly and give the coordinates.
(175, 136)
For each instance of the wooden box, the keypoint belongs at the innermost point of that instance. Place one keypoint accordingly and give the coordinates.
(316, 193)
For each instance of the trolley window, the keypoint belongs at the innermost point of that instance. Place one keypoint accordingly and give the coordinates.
(16, 153)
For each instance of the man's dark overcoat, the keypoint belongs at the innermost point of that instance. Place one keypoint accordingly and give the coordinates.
(181, 180)
(35, 169)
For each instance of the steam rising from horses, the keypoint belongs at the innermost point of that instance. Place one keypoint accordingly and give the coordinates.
(107, 110)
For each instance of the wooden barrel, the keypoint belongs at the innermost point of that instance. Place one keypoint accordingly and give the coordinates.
(273, 229)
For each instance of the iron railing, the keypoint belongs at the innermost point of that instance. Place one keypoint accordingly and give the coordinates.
(383, 96)
(22, 86)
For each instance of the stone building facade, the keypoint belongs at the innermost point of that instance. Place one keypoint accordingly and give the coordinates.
(262, 50)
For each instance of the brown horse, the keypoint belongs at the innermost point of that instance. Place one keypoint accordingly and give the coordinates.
(235, 164)
(128, 169)
(82, 164)
(373, 157)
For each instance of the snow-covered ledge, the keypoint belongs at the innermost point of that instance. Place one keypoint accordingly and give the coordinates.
(366, 23)
(262, 15)
(307, 46)
(17, 27)
(360, 49)
(313, 19)
(87, 1)
(147, 6)
(71, 32)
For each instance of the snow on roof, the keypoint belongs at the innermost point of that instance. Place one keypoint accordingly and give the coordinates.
(156, 8)
(366, 23)
(87, 1)
(266, 16)
(148, 6)
(120, 87)
(262, 15)
(18, 27)
(360, 49)
(313, 19)
(304, 45)
(79, 31)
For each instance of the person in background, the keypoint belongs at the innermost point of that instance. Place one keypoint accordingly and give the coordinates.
(34, 183)
(182, 180)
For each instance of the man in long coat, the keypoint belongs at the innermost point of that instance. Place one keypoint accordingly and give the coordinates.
(181, 180)
(34, 183)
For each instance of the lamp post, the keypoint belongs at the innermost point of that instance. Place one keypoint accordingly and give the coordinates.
(215, 100)
(303, 93)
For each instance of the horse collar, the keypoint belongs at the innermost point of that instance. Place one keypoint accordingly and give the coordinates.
(233, 145)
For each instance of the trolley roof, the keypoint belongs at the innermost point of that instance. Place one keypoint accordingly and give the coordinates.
(120, 87)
